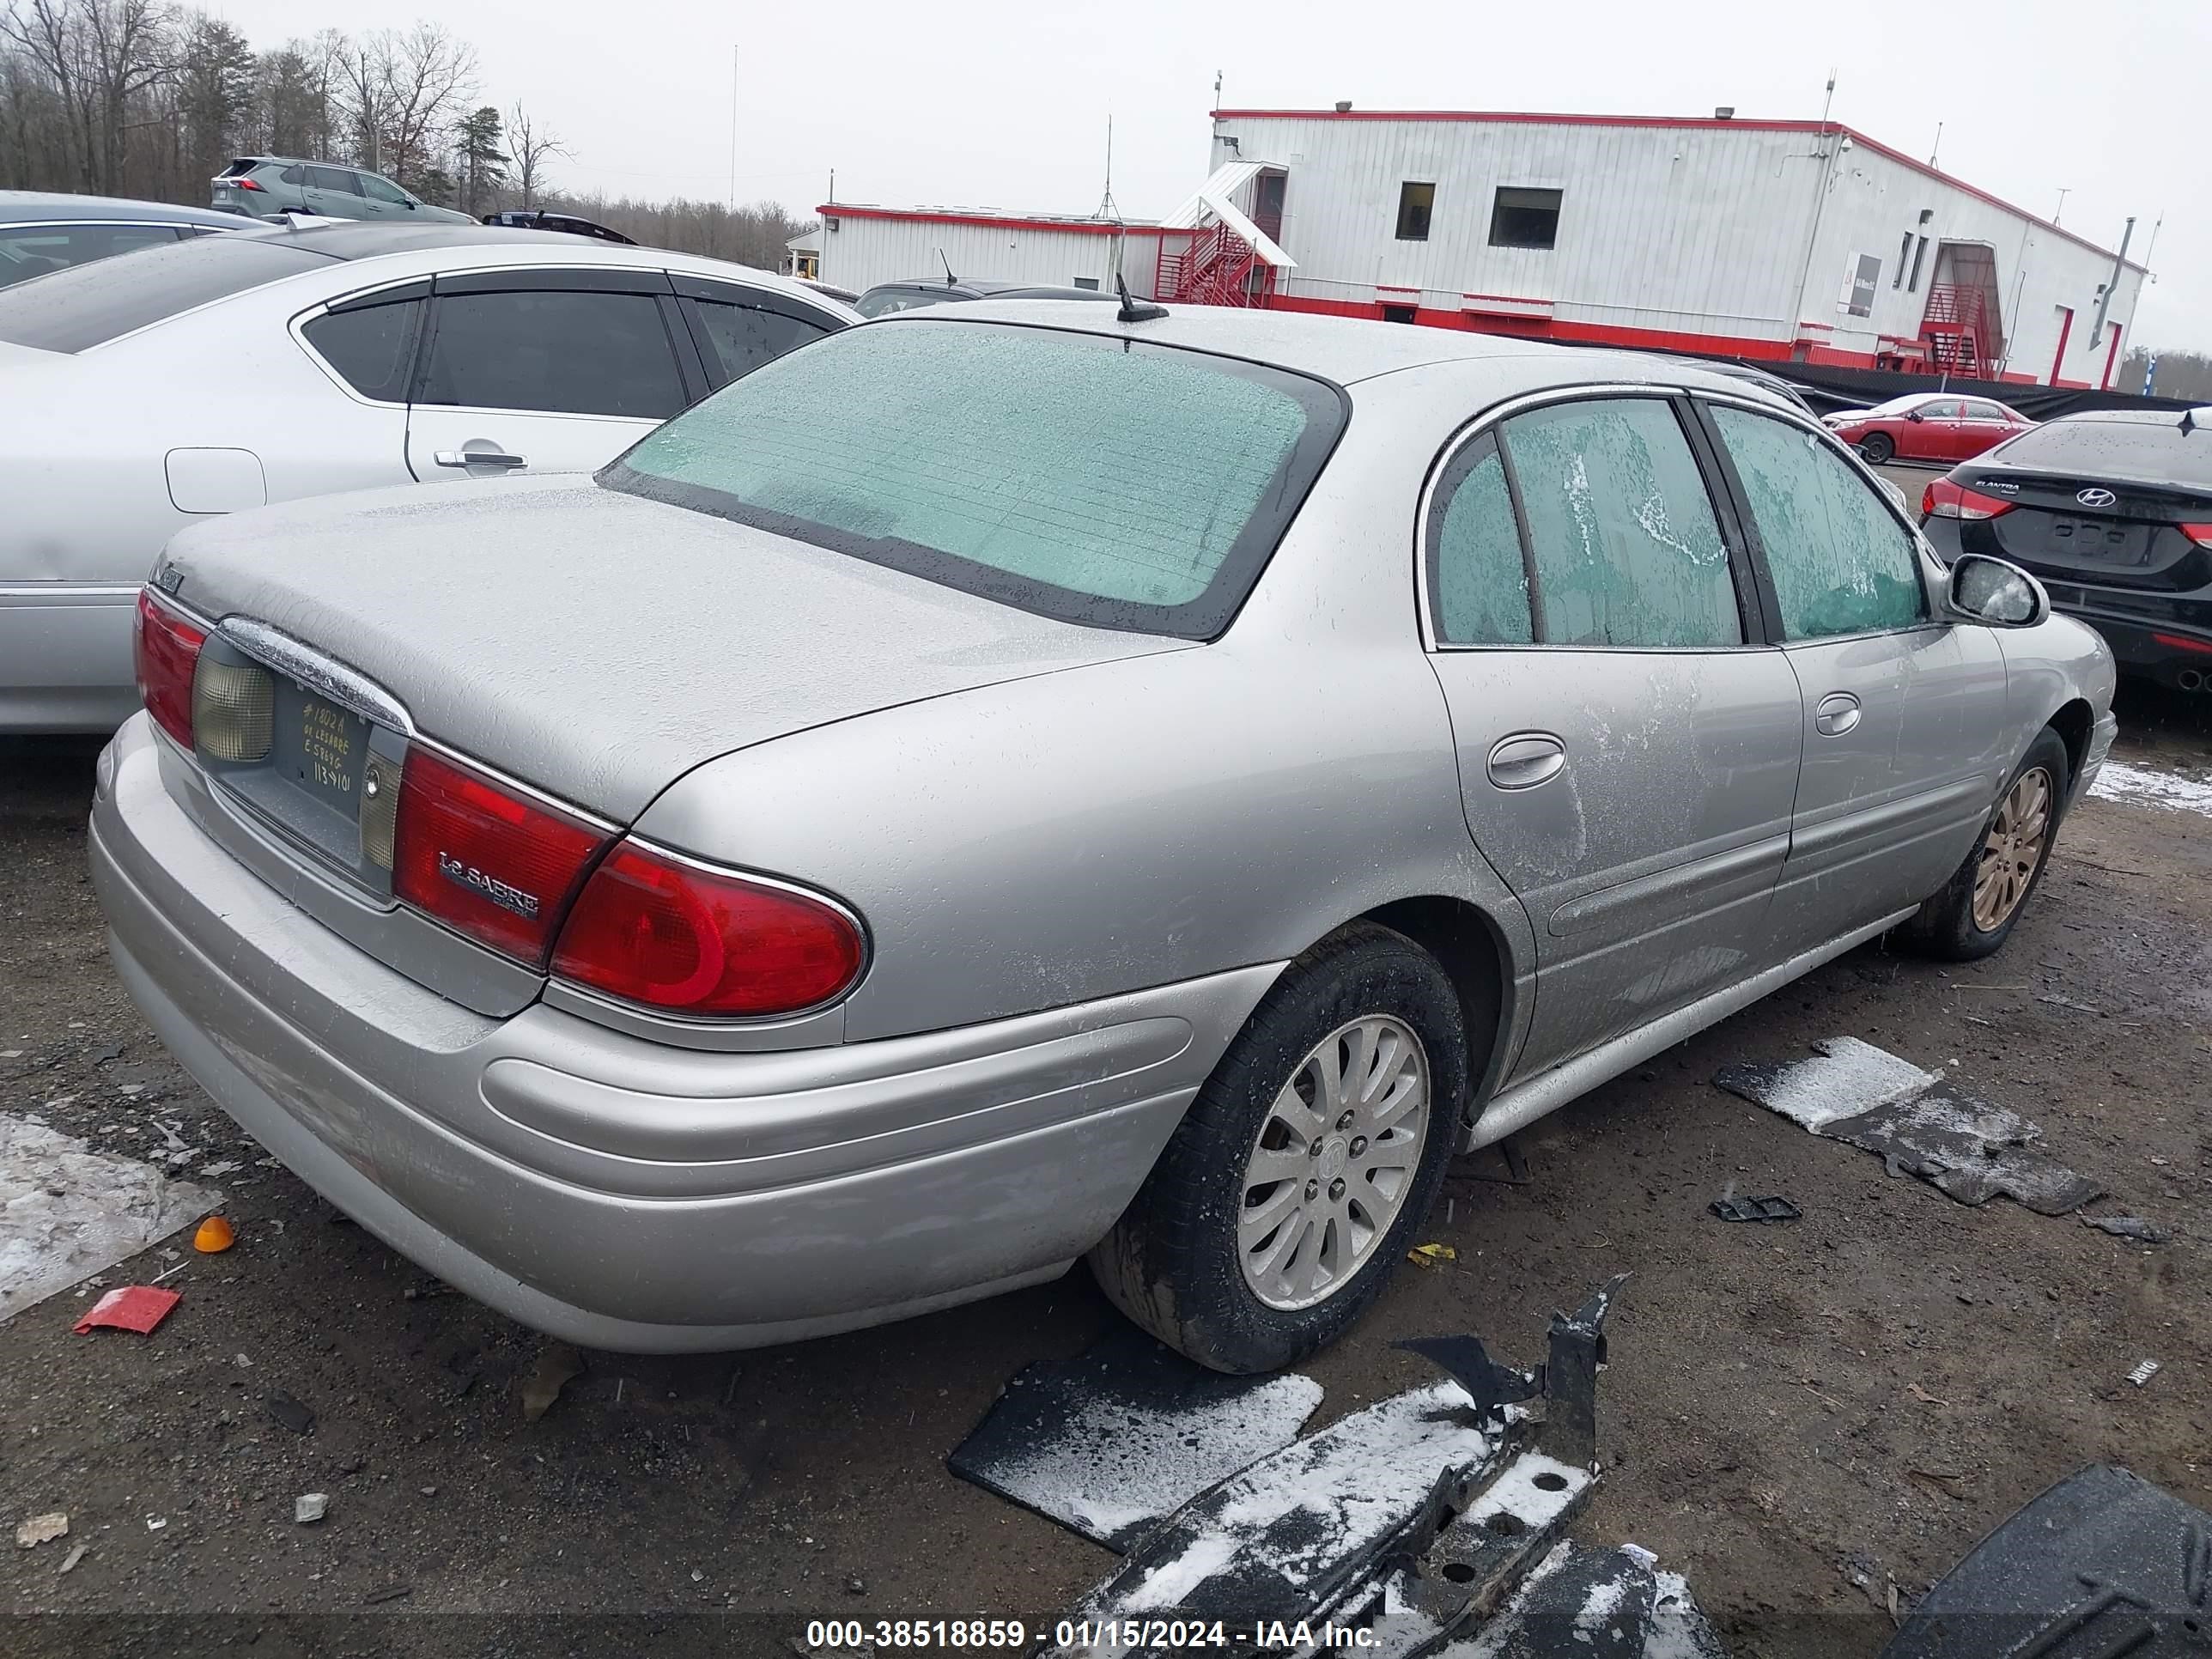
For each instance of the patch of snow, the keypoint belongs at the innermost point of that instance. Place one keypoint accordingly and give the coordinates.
(1599, 1605)
(1166, 1586)
(2138, 785)
(1847, 1077)
(66, 1211)
(1114, 1465)
(1679, 1629)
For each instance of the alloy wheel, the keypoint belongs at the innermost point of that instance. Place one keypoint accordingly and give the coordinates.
(2013, 849)
(1333, 1163)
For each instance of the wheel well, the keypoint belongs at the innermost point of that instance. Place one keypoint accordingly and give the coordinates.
(1465, 940)
(2072, 723)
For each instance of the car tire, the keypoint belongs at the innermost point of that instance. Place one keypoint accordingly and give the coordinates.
(1975, 912)
(1879, 448)
(1187, 1258)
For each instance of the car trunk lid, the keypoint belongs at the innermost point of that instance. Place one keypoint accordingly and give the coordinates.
(596, 645)
(2105, 531)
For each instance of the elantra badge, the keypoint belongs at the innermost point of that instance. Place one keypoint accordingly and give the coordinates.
(2095, 495)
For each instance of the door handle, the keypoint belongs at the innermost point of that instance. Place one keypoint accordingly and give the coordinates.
(1526, 759)
(479, 457)
(1838, 713)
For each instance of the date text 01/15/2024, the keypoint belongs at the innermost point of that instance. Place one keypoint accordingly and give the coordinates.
(1077, 1635)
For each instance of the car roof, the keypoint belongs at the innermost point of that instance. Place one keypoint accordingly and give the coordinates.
(47, 207)
(1345, 349)
(985, 287)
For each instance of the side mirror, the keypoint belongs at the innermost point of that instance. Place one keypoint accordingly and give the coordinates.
(1995, 592)
(410, 205)
(1914, 415)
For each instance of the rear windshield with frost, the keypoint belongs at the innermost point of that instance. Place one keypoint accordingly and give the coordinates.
(2143, 448)
(88, 305)
(1100, 480)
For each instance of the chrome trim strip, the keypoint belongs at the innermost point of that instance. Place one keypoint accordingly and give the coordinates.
(325, 677)
(35, 592)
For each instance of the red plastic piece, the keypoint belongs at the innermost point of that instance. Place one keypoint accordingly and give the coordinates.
(136, 1308)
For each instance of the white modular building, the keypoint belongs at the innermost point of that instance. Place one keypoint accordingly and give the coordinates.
(1785, 240)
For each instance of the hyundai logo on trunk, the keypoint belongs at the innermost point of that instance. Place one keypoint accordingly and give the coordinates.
(2096, 496)
(491, 887)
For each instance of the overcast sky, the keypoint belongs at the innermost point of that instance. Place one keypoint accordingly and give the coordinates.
(1003, 102)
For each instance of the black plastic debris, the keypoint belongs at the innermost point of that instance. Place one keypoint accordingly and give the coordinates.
(291, 1413)
(1598, 1602)
(1730, 1207)
(2127, 1226)
(1412, 1519)
(2104, 1563)
(1917, 1123)
(1108, 1443)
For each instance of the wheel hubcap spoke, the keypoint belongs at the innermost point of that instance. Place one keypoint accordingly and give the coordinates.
(1331, 1167)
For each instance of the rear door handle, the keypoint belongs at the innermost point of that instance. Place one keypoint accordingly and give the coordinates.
(479, 457)
(1838, 713)
(1526, 759)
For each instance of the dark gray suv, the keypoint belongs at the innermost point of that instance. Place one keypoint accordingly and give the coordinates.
(259, 184)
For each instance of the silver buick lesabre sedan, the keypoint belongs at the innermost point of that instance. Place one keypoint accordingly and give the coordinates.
(1019, 781)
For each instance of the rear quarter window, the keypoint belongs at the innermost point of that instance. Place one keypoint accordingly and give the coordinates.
(1099, 480)
(88, 305)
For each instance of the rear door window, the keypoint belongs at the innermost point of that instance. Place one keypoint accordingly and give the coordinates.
(1841, 561)
(371, 346)
(1110, 482)
(572, 351)
(335, 178)
(1623, 545)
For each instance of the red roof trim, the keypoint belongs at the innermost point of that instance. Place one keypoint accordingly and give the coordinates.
(996, 220)
(1504, 118)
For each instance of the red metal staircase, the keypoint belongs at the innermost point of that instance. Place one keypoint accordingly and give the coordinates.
(1213, 267)
(1958, 327)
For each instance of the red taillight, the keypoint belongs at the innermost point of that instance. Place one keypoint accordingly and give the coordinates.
(248, 183)
(668, 933)
(2199, 533)
(485, 860)
(2182, 642)
(1945, 500)
(165, 648)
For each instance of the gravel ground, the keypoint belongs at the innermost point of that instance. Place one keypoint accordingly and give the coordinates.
(1800, 1418)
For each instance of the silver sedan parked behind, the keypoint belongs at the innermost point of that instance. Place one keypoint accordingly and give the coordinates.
(189, 381)
(1151, 788)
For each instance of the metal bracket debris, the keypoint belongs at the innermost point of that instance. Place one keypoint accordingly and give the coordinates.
(1412, 1518)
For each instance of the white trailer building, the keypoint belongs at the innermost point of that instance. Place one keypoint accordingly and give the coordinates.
(1786, 240)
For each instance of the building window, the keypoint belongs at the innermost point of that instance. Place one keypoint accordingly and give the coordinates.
(1397, 313)
(1414, 202)
(1086, 281)
(1912, 283)
(1524, 218)
(1904, 253)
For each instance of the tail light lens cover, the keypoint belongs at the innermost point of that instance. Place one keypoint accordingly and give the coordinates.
(653, 928)
(2199, 533)
(1945, 500)
(166, 649)
(494, 864)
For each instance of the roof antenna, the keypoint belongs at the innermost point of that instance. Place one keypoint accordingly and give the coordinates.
(1134, 310)
(950, 281)
(1107, 208)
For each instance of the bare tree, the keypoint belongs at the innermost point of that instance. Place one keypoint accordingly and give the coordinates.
(531, 144)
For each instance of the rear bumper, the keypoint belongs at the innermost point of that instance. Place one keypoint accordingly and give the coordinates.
(65, 656)
(622, 1194)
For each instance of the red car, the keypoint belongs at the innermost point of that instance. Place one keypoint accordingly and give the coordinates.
(1928, 426)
